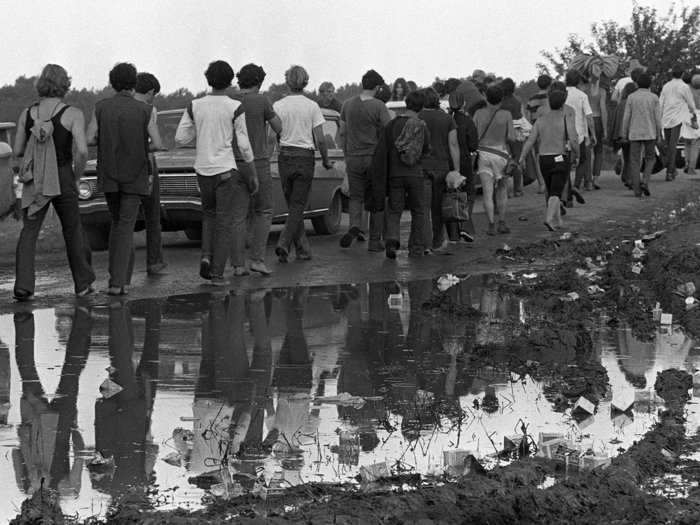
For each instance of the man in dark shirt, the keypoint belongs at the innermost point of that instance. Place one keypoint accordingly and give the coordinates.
(147, 87)
(443, 157)
(362, 119)
(258, 114)
(121, 127)
(326, 100)
(405, 183)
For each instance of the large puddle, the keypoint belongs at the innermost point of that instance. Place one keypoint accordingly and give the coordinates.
(228, 394)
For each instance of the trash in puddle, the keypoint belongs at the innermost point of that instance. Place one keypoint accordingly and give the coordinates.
(529, 276)
(98, 460)
(395, 300)
(585, 423)
(570, 297)
(186, 419)
(656, 313)
(666, 319)
(595, 289)
(637, 253)
(622, 401)
(511, 443)
(639, 244)
(565, 236)
(637, 268)
(505, 248)
(583, 404)
(593, 461)
(109, 388)
(343, 399)
(690, 303)
(447, 281)
(174, 459)
(374, 472)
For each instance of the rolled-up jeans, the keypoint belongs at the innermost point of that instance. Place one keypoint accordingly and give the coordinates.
(357, 168)
(260, 212)
(217, 195)
(296, 167)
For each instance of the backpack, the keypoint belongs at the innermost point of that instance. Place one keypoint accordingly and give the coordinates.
(409, 143)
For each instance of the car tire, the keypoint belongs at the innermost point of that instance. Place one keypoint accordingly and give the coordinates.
(193, 234)
(329, 223)
(97, 237)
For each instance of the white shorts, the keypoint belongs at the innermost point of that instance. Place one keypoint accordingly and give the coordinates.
(492, 165)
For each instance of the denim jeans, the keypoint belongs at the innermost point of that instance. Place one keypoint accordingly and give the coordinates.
(672, 136)
(296, 167)
(433, 225)
(402, 189)
(260, 213)
(583, 168)
(151, 213)
(66, 206)
(635, 156)
(357, 168)
(124, 209)
(217, 194)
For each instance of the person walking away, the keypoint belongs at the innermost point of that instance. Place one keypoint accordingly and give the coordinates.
(598, 100)
(302, 130)
(627, 79)
(620, 141)
(362, 120)
(147, 87)
(258, 115)
(225, 191)
(555, 135)
(397, 169)
(690, 135)
(677, 106)
(46, 132)
(585, 129)
(513, 104)
(641, 127)
(495, 127)
(468, 140)
(537, 105)
(121, 127)
(443, 157)
(326, 97)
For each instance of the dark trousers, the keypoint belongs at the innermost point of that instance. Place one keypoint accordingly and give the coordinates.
(598, 148)
(151, 213)
(260, 213)
(583, 168)
(635, 159)
(217, 194)
(516, 148)
(66, 206)
(626, 177)
(296, 167)
(401, 190)
(433, 225)
(124, 210)
(672, 135)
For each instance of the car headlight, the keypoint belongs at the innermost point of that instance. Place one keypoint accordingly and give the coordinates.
(84, 190)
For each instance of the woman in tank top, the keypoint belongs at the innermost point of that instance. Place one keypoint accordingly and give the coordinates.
(68, 128)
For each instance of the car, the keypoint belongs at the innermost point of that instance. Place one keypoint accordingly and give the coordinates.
(179, 193)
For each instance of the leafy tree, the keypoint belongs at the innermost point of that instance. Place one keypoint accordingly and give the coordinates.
(657, 40)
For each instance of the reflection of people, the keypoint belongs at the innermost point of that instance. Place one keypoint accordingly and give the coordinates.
(4, 383)
(122, 422)
(49, 428)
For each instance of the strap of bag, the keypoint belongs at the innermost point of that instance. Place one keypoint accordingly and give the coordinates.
(483, 133)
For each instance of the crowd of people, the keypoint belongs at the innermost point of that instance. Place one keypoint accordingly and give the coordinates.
(426, 157)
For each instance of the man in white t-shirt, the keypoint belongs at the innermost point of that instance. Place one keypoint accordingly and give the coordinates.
(302, 132)
(677, 107)
(585, 128)
(225, 192)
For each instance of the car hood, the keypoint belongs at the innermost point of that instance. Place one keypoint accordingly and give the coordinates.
(180, 159)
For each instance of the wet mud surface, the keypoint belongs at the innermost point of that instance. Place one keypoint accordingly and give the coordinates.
(543, 395)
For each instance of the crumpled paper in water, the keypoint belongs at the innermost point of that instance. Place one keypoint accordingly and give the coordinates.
(447, 281)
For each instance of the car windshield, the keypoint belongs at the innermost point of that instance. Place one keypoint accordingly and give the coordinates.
(167, 125)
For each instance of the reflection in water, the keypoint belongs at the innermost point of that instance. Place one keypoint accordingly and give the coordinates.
(267, 389)
(48, 428)
(122, 422)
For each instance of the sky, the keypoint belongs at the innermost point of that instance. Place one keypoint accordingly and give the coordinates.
(335, 40)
